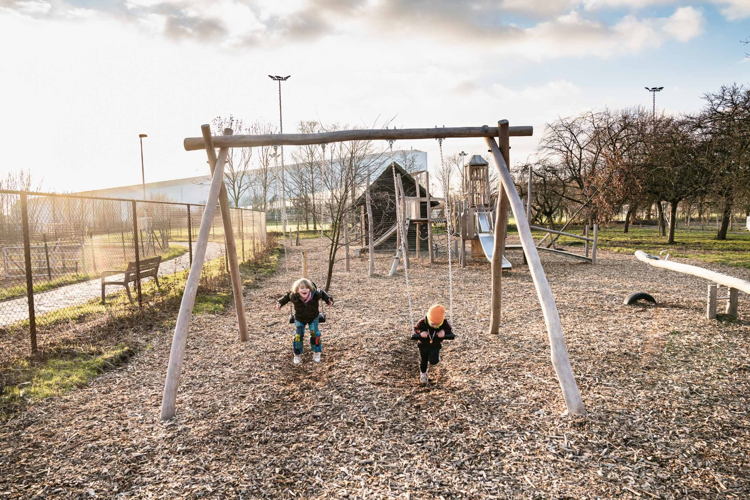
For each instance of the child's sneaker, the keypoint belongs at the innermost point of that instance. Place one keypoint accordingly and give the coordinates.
(297, 359)
(423, 378)
(316, 357)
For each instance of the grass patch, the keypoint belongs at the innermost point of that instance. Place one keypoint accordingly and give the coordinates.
(214, 303)
(16, 291)
(55, 376)
(693, 244)
(173, 252)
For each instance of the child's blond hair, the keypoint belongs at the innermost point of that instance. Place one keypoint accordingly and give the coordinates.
(302, 281)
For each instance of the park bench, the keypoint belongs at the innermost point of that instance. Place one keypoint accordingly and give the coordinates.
(149, 268)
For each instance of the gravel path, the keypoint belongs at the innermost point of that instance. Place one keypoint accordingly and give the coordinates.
(667, 391)
(12, 311)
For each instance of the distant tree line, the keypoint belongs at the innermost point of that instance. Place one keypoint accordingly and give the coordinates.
(630, 164)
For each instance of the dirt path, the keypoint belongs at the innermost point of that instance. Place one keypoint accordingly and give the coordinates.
(667, 390)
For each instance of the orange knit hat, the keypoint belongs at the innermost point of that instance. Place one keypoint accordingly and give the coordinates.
(436, 315)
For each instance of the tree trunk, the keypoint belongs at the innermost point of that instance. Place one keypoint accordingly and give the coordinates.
(662, 222)
(725, 216)
(632, 209)
(672, 220)
(335, 235)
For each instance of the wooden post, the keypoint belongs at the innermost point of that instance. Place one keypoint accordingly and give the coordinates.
(593, 246)
(429, 217)
(134, 206)
(177, 352)
(586, 242)
(370, 231)
(27, 264)
(404, 225)
(559, 352)
(304, 263)
(731, 309)
(362, 225)
(418, 242)
(226, 216)
(501, 218)
(711, 302)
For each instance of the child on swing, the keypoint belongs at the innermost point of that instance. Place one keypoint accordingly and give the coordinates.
(305, 296)
(429, 332)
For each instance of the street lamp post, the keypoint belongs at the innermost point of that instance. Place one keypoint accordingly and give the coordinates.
(279, 79)
(653, 91)
(143, 172)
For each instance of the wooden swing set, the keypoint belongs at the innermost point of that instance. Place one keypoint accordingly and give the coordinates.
(508, 199)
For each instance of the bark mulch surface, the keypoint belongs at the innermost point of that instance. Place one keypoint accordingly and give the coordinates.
(668, 395)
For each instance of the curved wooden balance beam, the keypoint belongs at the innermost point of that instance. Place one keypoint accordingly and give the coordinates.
(732, 283)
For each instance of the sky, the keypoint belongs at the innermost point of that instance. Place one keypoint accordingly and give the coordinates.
(82, 78)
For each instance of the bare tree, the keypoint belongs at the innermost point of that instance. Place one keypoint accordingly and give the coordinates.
(348, 162)
(262, 176)
(303, 176)
(726, 122)
(237, 171)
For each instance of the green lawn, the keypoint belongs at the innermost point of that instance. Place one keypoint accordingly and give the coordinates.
(693, 244)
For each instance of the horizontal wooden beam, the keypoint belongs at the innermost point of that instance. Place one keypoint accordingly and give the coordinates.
(561, 233)
(244, 141)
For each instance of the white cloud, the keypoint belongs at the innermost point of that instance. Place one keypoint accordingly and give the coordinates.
(734, 10)
(685, 24)
(34, 7)
(632, 4)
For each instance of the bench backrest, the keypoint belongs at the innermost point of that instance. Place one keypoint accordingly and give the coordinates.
(149, 267)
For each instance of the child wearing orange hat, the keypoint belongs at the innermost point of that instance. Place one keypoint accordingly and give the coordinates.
(429, 332)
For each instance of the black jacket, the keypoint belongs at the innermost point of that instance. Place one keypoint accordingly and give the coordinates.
(424, 326)
(305, 312)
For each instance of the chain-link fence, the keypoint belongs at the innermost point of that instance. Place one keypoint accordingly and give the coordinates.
(64, 258)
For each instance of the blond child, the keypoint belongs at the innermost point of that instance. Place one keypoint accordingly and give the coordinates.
(305, 296)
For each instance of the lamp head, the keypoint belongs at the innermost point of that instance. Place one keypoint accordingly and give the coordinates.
(142, 135)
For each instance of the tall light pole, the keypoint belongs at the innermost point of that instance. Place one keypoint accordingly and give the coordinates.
(280, 79)
(143, 172)
(653, 91)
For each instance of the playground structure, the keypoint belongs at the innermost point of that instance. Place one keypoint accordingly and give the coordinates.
(385, 204)
(476, 219)
(508, 200)
(733, 285)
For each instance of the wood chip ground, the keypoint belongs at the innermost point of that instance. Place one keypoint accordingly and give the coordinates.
(668, 395)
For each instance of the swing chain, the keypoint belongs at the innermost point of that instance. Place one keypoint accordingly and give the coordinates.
(448, 230)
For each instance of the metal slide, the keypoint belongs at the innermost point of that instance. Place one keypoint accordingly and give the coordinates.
(487, 237)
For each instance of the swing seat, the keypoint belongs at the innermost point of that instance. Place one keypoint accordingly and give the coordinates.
(321, 318)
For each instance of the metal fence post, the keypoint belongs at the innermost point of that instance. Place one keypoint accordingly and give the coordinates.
(46, 257)
(137, 255)
(29, 277)
(190, 234)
